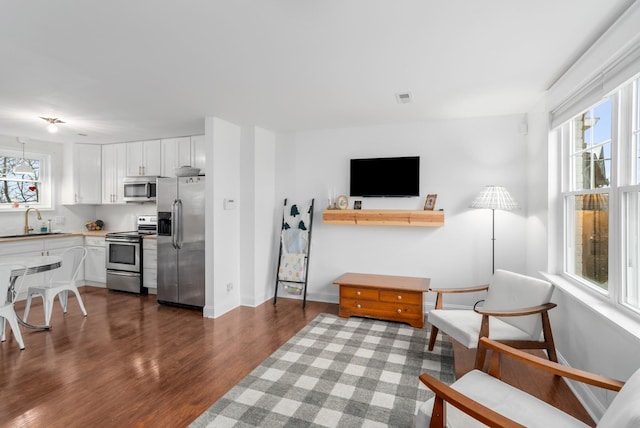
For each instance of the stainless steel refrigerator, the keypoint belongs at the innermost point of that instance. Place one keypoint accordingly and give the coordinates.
(181, 262)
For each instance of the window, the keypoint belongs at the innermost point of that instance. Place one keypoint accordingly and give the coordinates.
(587, 200)
(22, 190)
(601, 191)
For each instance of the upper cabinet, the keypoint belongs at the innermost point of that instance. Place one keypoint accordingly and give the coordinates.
(143, 158)
(83, 176)
(182, 151)
(114, 169)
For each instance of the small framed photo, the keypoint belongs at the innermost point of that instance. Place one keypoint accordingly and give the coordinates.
(357, 205)
(430, 203)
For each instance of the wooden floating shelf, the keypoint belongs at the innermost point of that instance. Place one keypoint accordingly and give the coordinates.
(414, 218)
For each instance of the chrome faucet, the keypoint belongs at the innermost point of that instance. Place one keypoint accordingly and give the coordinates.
(28, 229)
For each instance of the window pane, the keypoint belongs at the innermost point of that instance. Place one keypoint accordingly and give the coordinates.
(19, 188)
(591, 238)
(632, 250)
(591, 148)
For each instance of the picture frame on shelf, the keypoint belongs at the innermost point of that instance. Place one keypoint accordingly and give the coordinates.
(357, 205)
(430, 202)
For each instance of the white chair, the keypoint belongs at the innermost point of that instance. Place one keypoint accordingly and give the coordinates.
(7, 310)
(515, 312)
(480, 398)
(61, 282)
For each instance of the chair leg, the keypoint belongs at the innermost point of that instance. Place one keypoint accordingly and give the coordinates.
(15, 328)
(433, 337)
(47, 301)
(63, 297)
(80, 302)
(27, 307)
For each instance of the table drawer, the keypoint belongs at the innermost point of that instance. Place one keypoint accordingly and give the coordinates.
(408, 297)
(358, 293)
(370, 307)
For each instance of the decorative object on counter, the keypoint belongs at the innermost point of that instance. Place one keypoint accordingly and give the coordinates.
(186, 171)
(94, 225)
(430, 202)
(342, 202)
(494, 198)
(357, 205)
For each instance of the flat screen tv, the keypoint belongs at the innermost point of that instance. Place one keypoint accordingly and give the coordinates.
(385, 177)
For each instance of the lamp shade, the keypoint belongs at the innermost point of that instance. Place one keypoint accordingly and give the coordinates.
(495, 198)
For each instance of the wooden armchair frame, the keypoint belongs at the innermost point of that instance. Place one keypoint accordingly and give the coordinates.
(487, 416)
(547, 343)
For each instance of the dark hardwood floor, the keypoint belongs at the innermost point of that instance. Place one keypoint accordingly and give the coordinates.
(132, 362)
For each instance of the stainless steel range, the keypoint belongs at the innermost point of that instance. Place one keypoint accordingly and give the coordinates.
(124, 256)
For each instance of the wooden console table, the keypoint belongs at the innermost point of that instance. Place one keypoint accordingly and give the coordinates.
(386, 297)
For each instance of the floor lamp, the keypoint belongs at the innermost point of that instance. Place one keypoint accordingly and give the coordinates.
(494, 198)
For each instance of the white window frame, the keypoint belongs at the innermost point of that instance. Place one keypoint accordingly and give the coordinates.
(624, 179)
(46, 189)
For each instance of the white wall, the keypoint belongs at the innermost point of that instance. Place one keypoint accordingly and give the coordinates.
(223, 141)
(458, 158)
(258, 215)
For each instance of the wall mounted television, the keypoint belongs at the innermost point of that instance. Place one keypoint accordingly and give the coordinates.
(385, 177)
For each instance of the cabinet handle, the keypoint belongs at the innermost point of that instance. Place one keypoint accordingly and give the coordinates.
(399, 297)
(358, 293)
(399, 311)
(358, 306)
(143, 171)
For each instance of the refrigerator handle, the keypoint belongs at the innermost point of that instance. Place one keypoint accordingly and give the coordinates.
(174, 221)
(179, 226)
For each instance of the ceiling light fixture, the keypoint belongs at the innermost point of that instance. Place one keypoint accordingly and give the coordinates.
(52, 127)
(23, 167)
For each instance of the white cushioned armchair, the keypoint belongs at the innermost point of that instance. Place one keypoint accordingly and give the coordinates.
(514, 312)
(481, 399)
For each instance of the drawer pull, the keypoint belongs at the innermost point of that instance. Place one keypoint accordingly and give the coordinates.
(399, 311)
(358, 293)
(358, 306)
(399, 297)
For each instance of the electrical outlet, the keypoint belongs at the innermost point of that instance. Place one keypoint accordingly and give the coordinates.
(59, 219)
(230, 286)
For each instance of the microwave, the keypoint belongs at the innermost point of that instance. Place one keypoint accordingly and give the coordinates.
(140, 189)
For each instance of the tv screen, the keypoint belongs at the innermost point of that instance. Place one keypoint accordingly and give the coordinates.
(385, 177)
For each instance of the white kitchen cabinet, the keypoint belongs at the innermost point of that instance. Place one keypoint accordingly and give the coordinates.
(94, 265)
(143, 158)
(82, 174)
(182, 151)
(198, 153)
(176, 152)
(150, 264)
(114, 169)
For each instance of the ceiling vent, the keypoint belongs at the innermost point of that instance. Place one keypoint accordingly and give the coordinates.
(404, 98)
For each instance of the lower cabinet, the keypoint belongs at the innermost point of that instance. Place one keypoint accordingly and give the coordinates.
(150, 264)
(94, 265)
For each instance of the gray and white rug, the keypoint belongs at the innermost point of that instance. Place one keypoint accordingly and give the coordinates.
(337, 372)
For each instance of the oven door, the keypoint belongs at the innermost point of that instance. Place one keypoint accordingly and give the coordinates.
(122, 254)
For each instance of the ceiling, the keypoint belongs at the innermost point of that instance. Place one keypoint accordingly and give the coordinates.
(123, 70)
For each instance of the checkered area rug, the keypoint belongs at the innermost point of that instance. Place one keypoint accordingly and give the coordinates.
(337, 372)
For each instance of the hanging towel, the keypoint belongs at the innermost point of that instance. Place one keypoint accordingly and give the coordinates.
(292, 267)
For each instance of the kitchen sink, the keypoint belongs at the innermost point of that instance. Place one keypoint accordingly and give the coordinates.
(31, 235)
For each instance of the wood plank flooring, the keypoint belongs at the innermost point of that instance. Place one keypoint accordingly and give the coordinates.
(132, 362)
